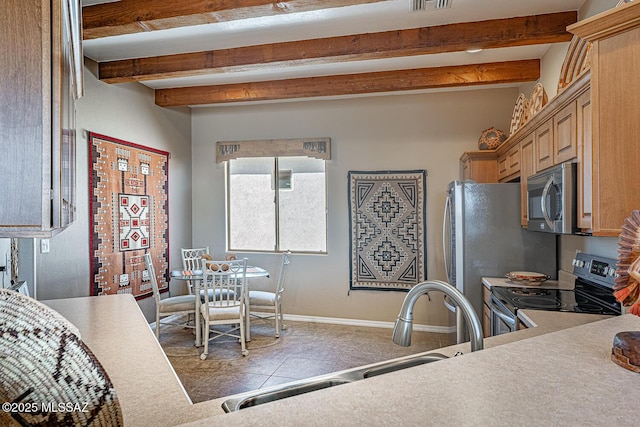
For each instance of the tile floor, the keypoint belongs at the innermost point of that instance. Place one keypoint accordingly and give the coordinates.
(303, 350)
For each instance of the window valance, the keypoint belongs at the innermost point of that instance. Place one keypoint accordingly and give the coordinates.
(319, 148)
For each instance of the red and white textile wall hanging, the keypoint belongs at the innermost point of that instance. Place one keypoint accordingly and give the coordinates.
(128, 206)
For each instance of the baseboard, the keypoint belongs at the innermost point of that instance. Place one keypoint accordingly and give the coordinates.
(348, 322)
(367, 323)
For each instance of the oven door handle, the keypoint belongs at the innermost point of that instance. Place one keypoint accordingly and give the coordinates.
(506, 318)
(450, 304)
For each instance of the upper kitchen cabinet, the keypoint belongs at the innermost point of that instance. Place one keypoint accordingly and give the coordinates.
(41, 75)
(615, 61)
(479, 166)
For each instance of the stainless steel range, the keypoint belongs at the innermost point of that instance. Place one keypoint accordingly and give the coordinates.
(593, 294)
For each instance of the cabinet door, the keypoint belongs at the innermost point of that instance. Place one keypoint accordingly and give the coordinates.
(25, 118)
(544, 145)
(527, 168)
(503, 166)
(509, 164)
(564, 132)
(37, 115)
(585, 160)
(486, 312)
(479, 167)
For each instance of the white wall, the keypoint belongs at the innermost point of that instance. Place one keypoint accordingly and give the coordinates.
(125, 112)
(421, 131)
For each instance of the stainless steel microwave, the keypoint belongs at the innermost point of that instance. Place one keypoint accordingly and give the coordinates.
(551, 200)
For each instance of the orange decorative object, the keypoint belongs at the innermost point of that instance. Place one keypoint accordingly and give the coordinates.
(491, 139)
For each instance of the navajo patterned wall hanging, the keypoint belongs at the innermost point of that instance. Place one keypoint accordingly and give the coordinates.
(128, 204)
(388, 229)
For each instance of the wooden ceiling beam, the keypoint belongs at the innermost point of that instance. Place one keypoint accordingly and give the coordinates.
(495, 33)
(135, 16)
(352, 84)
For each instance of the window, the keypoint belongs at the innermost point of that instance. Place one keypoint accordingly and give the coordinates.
(289, 215)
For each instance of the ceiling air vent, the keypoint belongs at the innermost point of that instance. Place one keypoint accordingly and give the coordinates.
(417, 5)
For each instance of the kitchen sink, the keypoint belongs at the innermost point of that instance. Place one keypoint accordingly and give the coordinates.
(292, 389)
(396, 365)
(258, 397)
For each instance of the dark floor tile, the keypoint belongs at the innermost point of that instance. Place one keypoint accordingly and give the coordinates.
(303, 350)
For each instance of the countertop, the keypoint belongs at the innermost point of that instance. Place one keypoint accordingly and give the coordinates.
(565, 281)
(538, 376)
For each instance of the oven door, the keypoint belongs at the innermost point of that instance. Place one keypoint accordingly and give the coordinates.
(503, 321)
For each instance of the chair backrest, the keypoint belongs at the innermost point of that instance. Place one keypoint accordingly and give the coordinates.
(225, 281)
(192, 257)
(283, 270)
(151, 271)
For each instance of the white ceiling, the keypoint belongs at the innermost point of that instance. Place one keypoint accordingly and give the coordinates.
(366, 18)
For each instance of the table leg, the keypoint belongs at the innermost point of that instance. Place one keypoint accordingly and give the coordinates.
(196, 318)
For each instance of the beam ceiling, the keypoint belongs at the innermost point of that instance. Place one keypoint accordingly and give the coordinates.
(353, 84)
(491, 34)
(137, 16)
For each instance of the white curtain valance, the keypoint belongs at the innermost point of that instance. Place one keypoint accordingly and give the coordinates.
(319, 148)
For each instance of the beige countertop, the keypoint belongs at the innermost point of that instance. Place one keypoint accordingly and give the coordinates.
(565, 281)
(538, 376)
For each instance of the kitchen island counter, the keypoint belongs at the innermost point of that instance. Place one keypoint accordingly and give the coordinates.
(559, 378)
(542, 375)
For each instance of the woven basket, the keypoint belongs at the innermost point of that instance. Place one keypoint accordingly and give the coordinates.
(48, 368)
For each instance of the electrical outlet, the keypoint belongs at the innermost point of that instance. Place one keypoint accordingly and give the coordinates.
(44, 246)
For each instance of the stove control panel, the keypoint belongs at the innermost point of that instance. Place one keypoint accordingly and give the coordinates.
(598, 269)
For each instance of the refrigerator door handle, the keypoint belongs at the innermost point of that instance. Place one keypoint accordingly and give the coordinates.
(445, 236)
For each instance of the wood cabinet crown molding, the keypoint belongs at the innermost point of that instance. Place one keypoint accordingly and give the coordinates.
(608, 23)
(555, 105)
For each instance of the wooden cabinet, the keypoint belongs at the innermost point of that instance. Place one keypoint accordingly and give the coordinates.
(509, 164)
(527, 168)
(564, 134)
(615, 60)
(585, 161)
(486, 311)
(479, 166)
(544, 145)
(40, 74)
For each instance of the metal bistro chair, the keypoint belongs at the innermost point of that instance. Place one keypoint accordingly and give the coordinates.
(270, 301)
(226, 280)
(192, 260)
(181, 304)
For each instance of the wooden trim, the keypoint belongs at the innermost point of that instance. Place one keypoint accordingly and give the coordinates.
(491, 34)
(571, 92)
(136, 16)
(350, 84)
(318, 148)
(608, 23)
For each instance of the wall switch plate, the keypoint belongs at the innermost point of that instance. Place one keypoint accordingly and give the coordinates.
(44, 246)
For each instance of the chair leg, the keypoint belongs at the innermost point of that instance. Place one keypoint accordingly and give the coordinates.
(205, 338)
(157, 325)
(242, 337)
(277, 320)
(247, 316)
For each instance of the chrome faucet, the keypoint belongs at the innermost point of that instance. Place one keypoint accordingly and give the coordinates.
(404, 323)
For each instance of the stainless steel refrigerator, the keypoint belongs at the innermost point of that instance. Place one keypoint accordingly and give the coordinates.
(482, 237)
